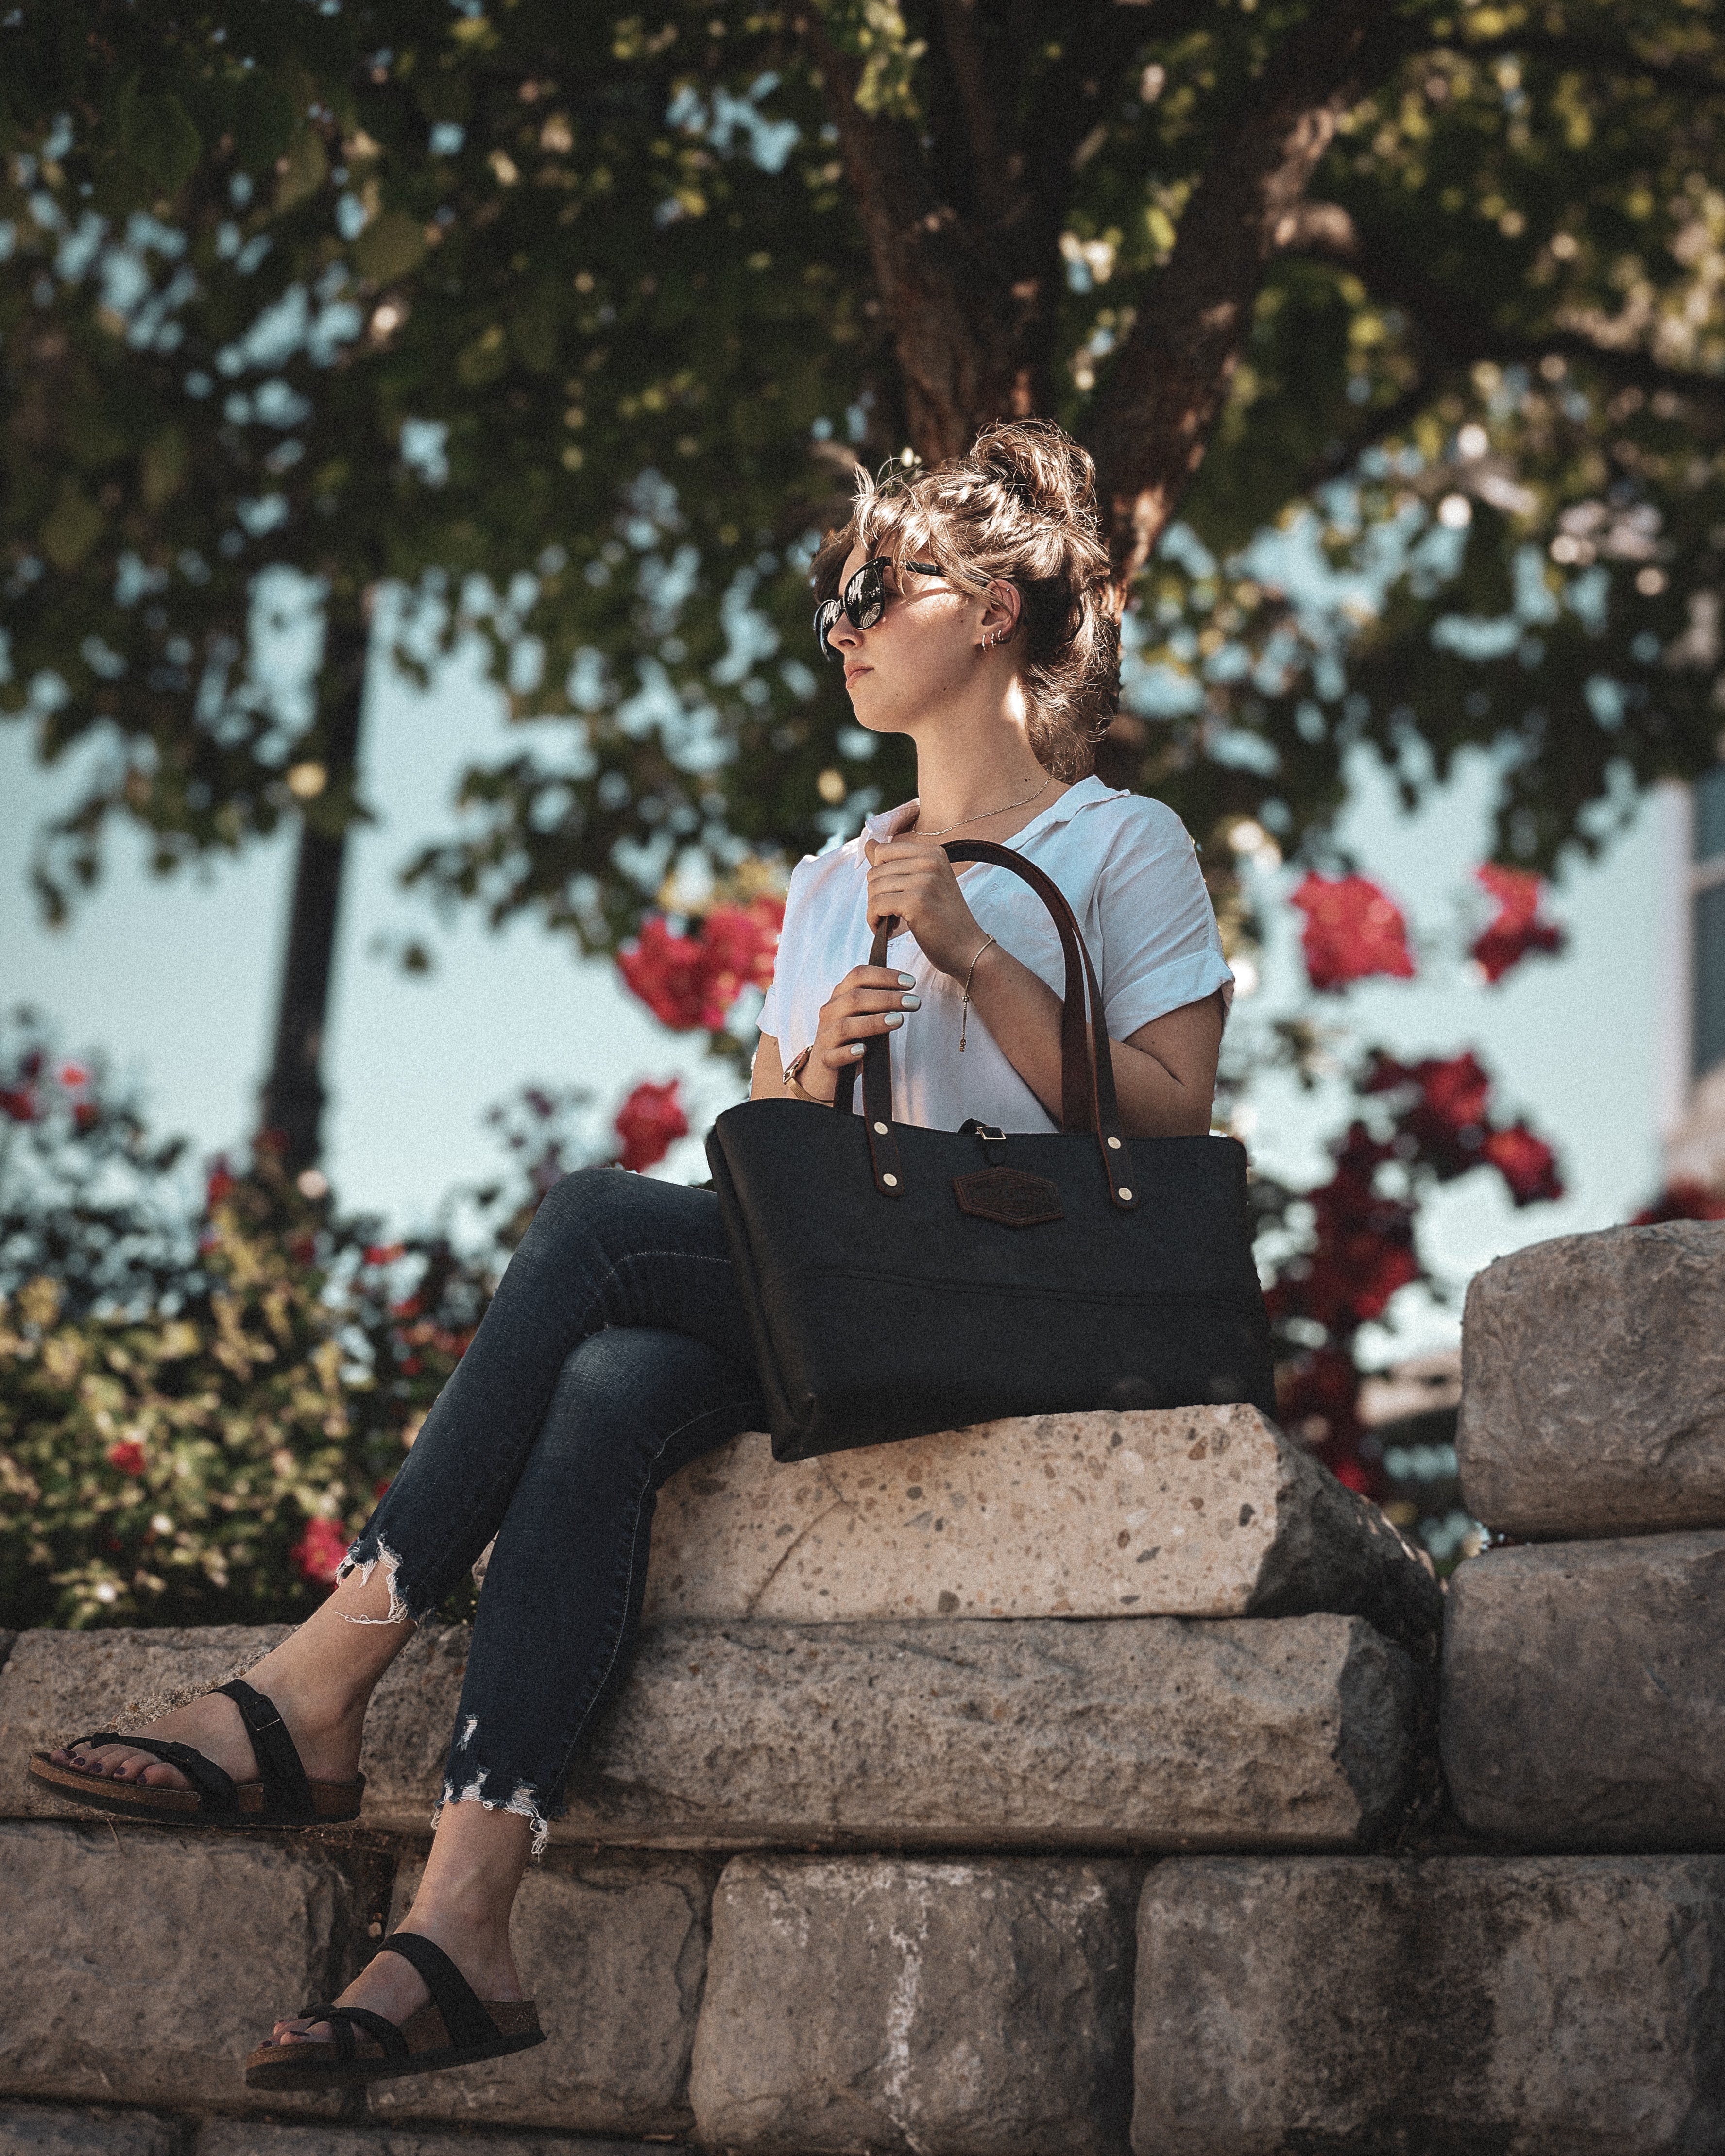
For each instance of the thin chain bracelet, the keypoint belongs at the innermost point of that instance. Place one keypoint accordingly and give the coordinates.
(964, 1008)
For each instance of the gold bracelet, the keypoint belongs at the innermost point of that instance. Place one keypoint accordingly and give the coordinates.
(964, 1008)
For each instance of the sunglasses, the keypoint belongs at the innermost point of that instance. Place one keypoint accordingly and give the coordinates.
(865, 598)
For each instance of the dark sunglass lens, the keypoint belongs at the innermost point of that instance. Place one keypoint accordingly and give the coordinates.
(825, 614)
(866, 595)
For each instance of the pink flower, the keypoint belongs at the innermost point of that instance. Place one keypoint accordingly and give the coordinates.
(648, 1122)
(1515, 929)
(319, 1552)
(1353, 929)
(74, 1075)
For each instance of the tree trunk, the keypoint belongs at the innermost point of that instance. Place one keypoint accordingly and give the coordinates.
(293, 1095)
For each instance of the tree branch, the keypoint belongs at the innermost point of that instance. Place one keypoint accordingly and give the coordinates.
(1153, 421)
(1459, 332)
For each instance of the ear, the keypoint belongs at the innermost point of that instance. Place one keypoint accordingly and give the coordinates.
(1000, 612)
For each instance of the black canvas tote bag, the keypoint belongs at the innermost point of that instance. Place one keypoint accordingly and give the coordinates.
(900, 1280)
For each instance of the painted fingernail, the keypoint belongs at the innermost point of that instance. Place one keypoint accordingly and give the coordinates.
(907, 980)
(893, 1018)
(858, 1047)
(912, 1003)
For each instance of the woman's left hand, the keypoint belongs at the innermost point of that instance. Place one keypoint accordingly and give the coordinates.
(912, 878)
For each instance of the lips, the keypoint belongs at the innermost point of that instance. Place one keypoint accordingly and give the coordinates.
(851, 673)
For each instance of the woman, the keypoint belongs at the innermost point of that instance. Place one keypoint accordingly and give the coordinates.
(969, 607)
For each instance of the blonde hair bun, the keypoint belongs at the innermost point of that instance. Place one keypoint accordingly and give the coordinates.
(1019, 508)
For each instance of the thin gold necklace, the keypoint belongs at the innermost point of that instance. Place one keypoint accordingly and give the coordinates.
(917, 832)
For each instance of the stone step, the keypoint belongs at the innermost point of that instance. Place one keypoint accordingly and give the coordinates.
(1175, 1512)
(954, 2008)
(141, 1964)
(1581, 1696)
(30, 2129)
(614, 1949)
(1593, 1397)
(1292, 1732)
(1538, 2005)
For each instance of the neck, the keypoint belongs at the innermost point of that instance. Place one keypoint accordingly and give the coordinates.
(983, 770)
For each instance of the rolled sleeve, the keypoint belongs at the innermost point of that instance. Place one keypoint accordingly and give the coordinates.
(1161, 946)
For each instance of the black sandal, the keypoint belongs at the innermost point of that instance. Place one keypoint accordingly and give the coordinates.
(453, 2028)
(285, 1795)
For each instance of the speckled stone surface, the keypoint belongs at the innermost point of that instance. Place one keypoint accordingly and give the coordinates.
(1183, 1512)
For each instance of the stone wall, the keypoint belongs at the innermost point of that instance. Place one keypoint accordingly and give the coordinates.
(1171, 1876)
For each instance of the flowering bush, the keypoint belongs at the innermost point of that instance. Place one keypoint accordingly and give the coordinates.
(1340, 1252)
(200, 1400)
(649, 1123)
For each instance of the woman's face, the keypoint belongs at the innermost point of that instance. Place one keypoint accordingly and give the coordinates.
(921, 652)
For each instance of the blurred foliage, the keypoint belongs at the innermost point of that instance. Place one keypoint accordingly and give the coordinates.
(203, 1392)
(559, 327)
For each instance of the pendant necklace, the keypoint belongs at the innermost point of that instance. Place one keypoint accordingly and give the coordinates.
(984, 815)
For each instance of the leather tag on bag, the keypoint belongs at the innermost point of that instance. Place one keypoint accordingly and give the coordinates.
(1009, 1196)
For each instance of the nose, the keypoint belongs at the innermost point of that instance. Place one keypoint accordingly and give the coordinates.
(843, 635)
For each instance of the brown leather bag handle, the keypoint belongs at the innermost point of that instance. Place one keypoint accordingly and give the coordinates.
(1088, 1101)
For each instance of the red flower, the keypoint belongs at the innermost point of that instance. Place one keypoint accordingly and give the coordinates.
(673, 975)
(74, 1075)
(1527, 1163)
(18, 1102)
(383, 1254)
(1365, 1247)
(687, 981)
(411, 1308)
(85, 1114)
(1685, 1199)
(220, 1186)
(1353, 929)
(128, 1456)
(1447, 1108)
(319, 1552)
(1515, 929)
(648, 1123)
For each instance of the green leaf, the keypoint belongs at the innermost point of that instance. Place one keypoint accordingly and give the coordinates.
(303, 170)
(154, 136)
(163, 466)
(390, 246)
(73, 528)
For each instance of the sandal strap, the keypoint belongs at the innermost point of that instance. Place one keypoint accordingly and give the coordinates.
(287, 1791)
(214, 1787)
(343, 2020)
(463, 2012)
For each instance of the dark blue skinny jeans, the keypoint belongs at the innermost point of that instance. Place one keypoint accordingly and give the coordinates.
(616, 1352)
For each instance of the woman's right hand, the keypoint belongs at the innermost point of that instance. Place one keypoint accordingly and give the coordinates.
(870, 999)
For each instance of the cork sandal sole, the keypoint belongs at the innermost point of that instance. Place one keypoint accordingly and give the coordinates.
(332, 1802)
(454, 2027)
(283, 1795)
(320, 2065)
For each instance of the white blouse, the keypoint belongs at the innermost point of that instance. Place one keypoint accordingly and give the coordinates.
(1130, 871)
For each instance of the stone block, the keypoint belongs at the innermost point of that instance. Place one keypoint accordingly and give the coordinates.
(1593, 1384)
(57, 1684)
(29, 2129)
(950, 2009)
(255, 2136)
(142, 1964)
(1581, 1699)
(1176, 1512)
(1168, 1734)
(1455, 2006)
(613, 1949)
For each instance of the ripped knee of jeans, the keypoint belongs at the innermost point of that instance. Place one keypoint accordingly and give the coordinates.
(398, 1613)
(467, 1784)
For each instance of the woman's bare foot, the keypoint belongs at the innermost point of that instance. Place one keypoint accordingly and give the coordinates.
(319, 1679)
(393, 1987)
(463, 1904)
